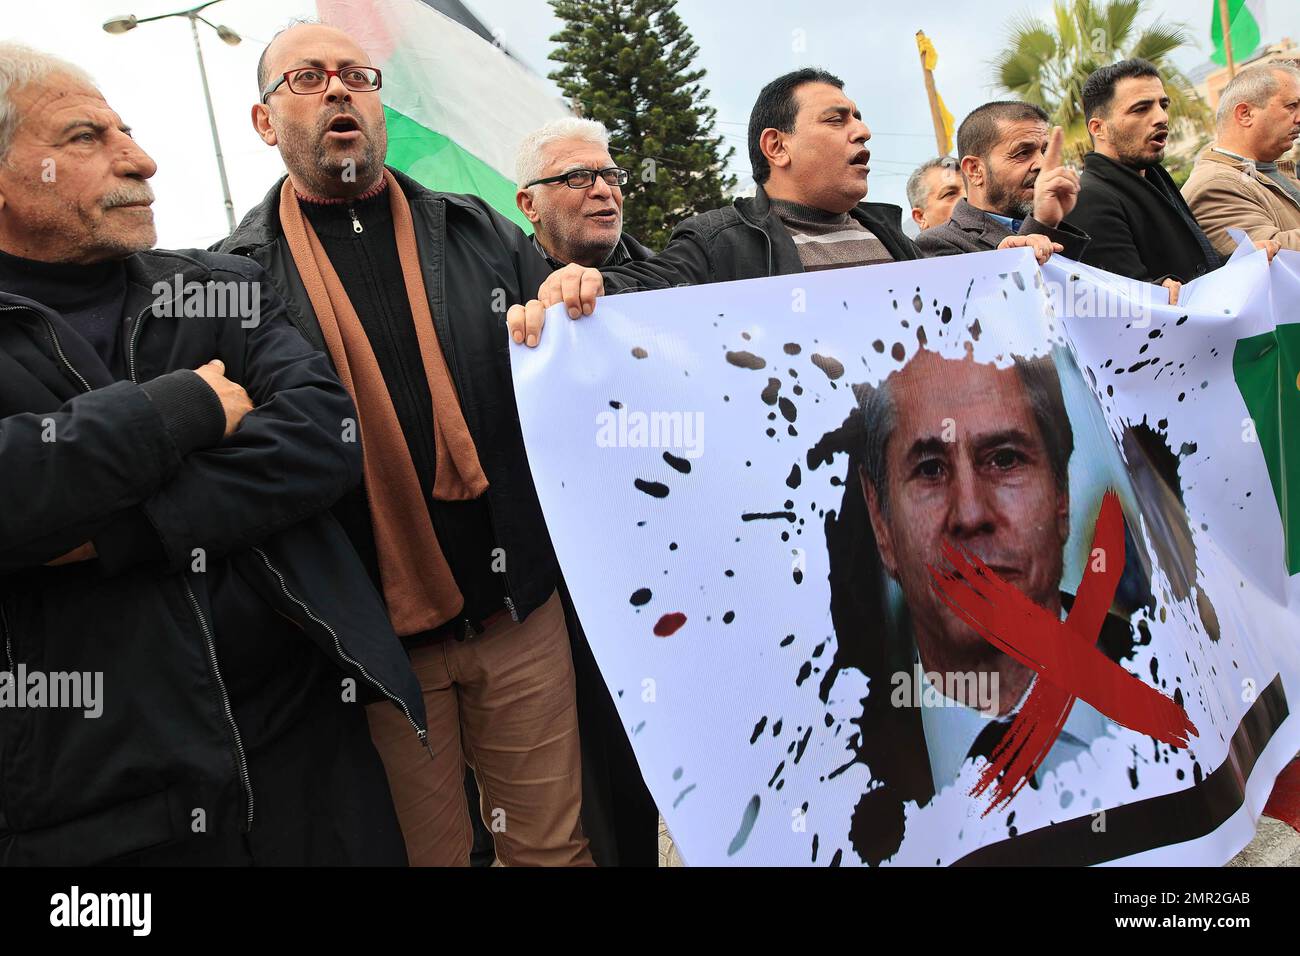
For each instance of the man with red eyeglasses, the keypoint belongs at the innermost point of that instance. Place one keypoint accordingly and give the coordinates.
(405, 289)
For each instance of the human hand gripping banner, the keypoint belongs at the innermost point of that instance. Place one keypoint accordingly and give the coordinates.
(957, 561)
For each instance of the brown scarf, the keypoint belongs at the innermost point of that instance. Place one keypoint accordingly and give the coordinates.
(418, 584)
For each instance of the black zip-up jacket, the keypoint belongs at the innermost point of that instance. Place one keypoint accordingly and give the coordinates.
(86, 458)
(1140, 226)
(745, 240)
(476, 264)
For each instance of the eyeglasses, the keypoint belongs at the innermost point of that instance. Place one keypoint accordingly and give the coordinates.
(586, 178)
(311, 79)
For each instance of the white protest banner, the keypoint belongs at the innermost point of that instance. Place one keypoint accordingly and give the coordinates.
(940, 562)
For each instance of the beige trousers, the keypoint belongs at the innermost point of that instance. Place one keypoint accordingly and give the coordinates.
(502, 702)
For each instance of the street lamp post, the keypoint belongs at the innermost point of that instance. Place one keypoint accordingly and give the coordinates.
(119, 25)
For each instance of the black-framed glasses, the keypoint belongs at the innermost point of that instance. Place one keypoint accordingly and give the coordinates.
(586, 178)
(313, 79)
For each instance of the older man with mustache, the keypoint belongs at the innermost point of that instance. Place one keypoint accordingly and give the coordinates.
(165, 472)
(1242, 180)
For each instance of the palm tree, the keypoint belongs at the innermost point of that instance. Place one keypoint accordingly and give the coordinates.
(1047, 64)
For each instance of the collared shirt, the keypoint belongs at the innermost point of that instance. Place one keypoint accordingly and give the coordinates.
(951, 729)
(1012, 224)
(1288, 184)
(617, 256)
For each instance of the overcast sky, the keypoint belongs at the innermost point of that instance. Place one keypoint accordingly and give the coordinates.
(150, 76)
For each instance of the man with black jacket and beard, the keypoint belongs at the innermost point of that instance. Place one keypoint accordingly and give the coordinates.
(169, 445)
(1140, 225)
(404, 289)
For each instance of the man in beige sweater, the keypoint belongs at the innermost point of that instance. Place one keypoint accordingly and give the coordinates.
(1241, 180)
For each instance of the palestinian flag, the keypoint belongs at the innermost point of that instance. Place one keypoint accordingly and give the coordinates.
(457, 105)
(1245, 29)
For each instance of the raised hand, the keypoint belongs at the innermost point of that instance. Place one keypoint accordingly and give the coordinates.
(1057, 188)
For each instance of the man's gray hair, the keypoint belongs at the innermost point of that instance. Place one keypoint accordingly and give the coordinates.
(1255, 86)
(19, 66)
(916, 191)
(530, 162)
(1046, 401)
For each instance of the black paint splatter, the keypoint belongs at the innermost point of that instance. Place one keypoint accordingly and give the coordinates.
(677, 464)
(654, 489)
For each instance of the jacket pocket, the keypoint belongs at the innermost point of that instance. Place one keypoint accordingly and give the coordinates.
(97, 837)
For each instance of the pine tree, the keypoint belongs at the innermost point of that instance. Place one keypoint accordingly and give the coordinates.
(627, 63)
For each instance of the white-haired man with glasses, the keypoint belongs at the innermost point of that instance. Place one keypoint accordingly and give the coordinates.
(405, 288)
(572, 192)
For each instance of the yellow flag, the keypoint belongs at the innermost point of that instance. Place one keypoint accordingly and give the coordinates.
(927, 50)
(948, 125)
(929, 58)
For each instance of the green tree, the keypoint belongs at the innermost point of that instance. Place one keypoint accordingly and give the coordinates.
(627, 63)
(1047, 63)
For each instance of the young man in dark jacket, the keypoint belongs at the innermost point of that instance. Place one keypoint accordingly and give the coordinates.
(163, 533)
(1015, 184)
(1139, 223)
(807, 147)
(405, 290)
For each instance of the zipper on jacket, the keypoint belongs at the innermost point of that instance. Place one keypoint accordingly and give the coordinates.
(767, 240)
(58, 350)
(133, 336)
(9, 647)
(356, 223)
(338, 649)
(505, 574)
(241, 757)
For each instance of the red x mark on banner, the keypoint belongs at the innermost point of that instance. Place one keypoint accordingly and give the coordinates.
(1064, 655)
